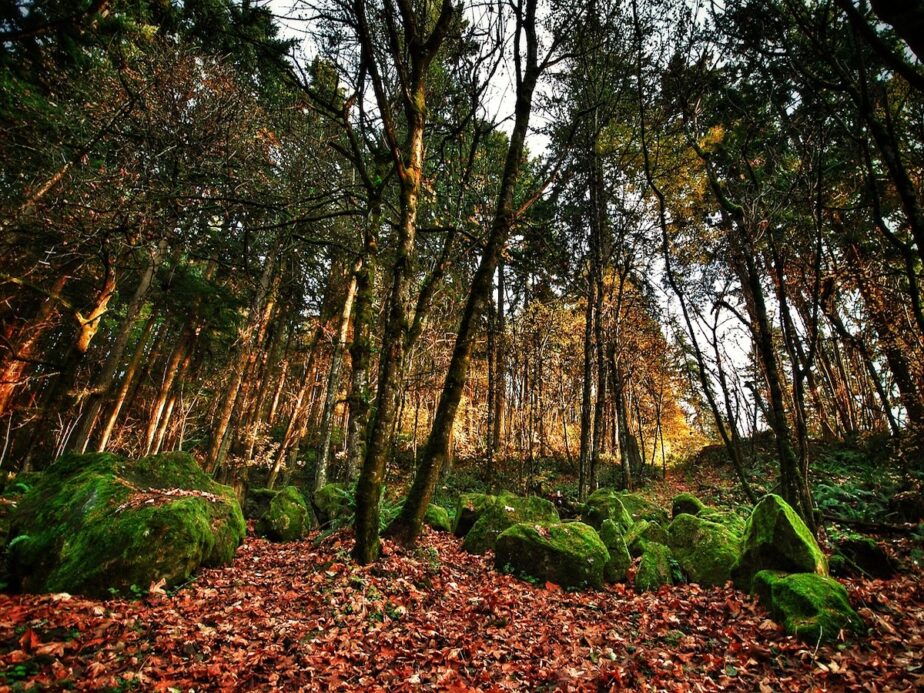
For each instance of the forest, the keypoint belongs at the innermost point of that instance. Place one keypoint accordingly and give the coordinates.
(467, 345)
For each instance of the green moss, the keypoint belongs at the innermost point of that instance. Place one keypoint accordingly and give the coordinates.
(257, 502)
(604, 504)
(838, 565)
(640, 508)
(654, 570)
(776, 538)
(686, 503)
(641, 533)
(706, 551)
(863, 553)
(731, 520)
(333, 502)
(469, 507)
(568, 554)
(79, 529)
(814, 608)
(612, 537)
(504, 511)
(288, 517)
(437, 518)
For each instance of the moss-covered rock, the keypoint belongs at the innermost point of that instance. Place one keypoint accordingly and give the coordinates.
(643, 532)
(810, 606)
(503, 512)
(331, 502)
(654, 570)
(469, 507)
(97, 524)
(567, 554)
(686, 503)
(257, 502)
(437, 517)
(705, 550)
(776, 538)
(612, 537)
(863, 553)
(729, 519)
(640, 508)
(839, 566)
(604, 504)
(287, 518)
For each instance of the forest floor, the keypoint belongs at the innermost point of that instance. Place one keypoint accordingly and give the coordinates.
(285, 616)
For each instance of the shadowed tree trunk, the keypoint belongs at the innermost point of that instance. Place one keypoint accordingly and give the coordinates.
(333, 382)
(99, 389)
(407, 526)
(408, 158)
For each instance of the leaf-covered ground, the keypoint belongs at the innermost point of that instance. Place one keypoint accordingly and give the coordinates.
(302, 615)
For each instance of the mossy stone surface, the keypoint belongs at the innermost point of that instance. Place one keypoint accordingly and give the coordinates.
(686, 503)
(618, 565)
(332, 502)
(99, 524)
(654, 570)
(705, 550)
(866, 554)
(813, 607)
(641, 533)
(503, 512)
(568, 554)
(288, 517)
(776, 538)
(732, 521)
(640, 508)
(604, 504)
(437, 517)
(257, 502)
(469, 507)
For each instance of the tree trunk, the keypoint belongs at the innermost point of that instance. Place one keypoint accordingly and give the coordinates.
(407, 526)
(24, 351)
(256, 321)
(500, 357)
(183, 346)
(333, 382)
(99, 390)
(127, 382)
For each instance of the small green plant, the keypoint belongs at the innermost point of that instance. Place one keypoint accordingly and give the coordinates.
(431, 557)
(18, 540)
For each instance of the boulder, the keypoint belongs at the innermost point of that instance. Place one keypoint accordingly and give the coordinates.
(620, 560)
(257, 502)
(686, 503)
(867, 555)
(437, 517)
(731, 520)
(503, 512)
(643, 532)
(654, 570)
(812, 607)
(99, 524)
(604, 504)
(568, 554)
(332, 502)
(287, 517)
(776, 538)
(468, 509)
(705, 550)
(640, 508)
